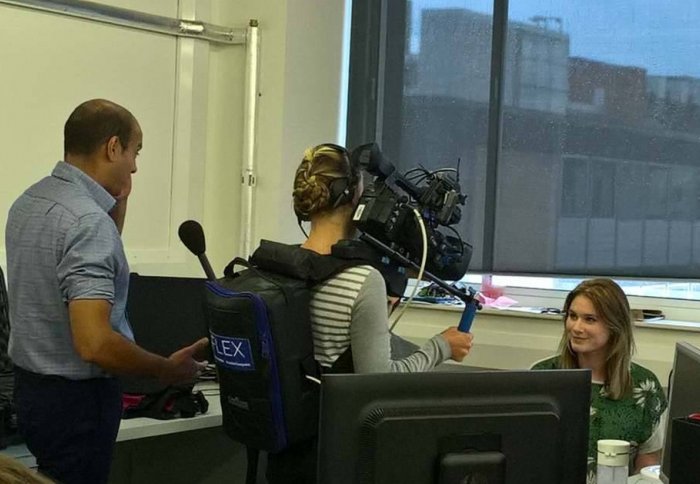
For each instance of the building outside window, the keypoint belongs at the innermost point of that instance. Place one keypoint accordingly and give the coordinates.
(583, 160)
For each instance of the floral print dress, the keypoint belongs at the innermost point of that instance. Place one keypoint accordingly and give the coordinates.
(634, 417)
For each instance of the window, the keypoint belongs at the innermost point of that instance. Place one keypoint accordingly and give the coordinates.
(602, 187)
(583, 160)
(575, 188)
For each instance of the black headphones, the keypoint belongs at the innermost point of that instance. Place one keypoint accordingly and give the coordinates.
(342, 190)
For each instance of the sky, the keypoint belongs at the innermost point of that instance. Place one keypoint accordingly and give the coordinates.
(661, 36)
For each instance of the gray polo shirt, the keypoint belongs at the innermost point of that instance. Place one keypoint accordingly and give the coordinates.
(61, 245)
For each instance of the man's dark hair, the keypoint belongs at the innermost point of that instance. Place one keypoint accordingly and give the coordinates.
(92, 123)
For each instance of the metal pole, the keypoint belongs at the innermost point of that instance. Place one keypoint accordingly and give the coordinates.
(248, 175)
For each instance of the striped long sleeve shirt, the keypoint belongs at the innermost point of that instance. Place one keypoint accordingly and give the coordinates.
(351, 309)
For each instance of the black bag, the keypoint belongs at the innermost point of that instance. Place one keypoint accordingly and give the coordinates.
(170, 403)
(259, 322)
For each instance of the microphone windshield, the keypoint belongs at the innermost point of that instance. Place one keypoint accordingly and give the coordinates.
(192, 235)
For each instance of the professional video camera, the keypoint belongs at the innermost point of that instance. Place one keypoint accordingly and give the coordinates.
(386, 212)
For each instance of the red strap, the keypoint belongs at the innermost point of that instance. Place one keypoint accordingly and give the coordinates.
(130, 400)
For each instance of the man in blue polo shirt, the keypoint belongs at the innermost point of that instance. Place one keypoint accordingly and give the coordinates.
(68, 280)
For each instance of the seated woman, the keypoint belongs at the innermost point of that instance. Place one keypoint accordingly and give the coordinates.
(349, 312)
(627, 400)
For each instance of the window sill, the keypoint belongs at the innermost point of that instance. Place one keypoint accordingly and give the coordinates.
(670, 324)
(682, 311)
(662, 324)
(515, 340)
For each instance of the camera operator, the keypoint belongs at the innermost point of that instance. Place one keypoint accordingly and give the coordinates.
(349, 316)
(350, 309)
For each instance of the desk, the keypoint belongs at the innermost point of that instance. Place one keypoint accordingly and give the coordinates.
(139, 428)
(637, 479)
(183, 450)
(179, 451)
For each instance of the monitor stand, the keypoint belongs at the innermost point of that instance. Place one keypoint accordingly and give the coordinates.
(473, 468)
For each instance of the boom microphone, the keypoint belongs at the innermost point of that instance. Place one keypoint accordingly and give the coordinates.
(192, 235)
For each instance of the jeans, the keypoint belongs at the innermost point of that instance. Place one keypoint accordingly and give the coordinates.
(70, 426)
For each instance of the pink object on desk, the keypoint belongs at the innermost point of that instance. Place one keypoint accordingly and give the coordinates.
(489, 290)
(500, 302)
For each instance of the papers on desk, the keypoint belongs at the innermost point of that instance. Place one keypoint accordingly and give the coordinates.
(500, 302)
(436, 299)
(534, 309)
(647, 315)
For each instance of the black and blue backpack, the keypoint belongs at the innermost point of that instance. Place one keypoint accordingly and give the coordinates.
(260, 328)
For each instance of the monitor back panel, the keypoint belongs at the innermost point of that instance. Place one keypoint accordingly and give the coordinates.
(166, 314)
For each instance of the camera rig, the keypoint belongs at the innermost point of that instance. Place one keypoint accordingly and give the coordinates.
(386, 217)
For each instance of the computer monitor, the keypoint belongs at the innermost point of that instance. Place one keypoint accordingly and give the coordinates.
(166, 314)
(684, 395)
(485, 427)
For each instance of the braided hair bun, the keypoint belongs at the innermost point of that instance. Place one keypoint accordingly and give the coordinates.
(314, 179)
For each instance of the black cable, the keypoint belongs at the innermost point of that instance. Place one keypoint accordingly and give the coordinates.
(302, 228)
(443, 170)
(459, 237)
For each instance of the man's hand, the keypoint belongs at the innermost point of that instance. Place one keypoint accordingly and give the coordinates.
(460, 343)
(183, 366)
(126, 190)
(118, 213)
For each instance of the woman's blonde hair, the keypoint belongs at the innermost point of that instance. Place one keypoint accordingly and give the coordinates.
(14, 472)
(325, 179)
(612, 307)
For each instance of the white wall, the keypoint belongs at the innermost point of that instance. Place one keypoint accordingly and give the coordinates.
(299, 106)
(74, 60)
(50, 64)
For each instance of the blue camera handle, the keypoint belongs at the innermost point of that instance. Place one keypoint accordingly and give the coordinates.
(465, 324)
(471, 305)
